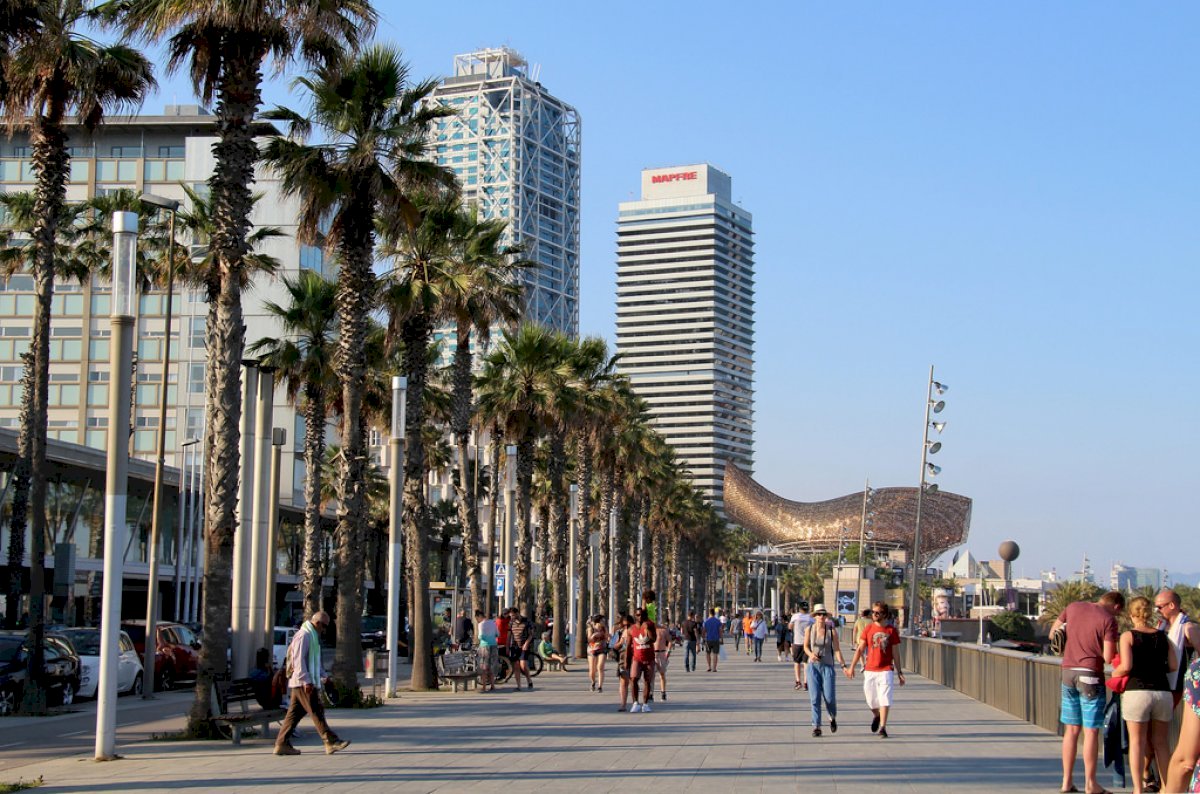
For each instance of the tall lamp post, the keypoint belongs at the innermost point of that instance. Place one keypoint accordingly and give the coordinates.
(172, 207)
(510, 524)
(181, 537)
(125, 229)
(396, 530)
(932, 406)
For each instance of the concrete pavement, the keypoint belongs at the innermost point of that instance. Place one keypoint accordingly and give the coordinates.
(742, 729)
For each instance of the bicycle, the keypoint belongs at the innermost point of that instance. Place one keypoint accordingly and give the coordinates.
(504, 667)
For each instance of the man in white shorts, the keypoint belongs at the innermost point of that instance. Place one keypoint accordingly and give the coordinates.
(876, 642)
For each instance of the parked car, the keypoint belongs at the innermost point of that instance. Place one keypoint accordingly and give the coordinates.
(61, 670)
(87, 644)
(374, 631)
(176, 656)
(283, 638)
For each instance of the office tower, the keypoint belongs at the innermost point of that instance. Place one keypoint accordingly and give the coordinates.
(515, 149)
(145, 154)
(685, 317)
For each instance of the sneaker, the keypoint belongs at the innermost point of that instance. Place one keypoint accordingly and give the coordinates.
(599, 689)
(816, 732)
(798, 686)
(883, 733)
(635, 708)
(875, 724)
(664, 695)
(806, 687)
(286, 749)
(833, 724)
(646, 708)
(620, 708)
(333, 747)
(593, 686)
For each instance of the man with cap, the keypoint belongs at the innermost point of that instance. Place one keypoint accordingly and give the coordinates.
(821, 647)
(303, 664)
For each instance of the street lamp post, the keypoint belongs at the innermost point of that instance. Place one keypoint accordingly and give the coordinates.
(125, 226)
(278, 439)
(181, 538)
(396, 531)
(264, 414)
(510, 523)
(243, 538)
(932, 406)
(171, 206)
(572, 584)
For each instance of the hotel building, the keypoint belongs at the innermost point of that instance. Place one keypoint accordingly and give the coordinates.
(685, 317)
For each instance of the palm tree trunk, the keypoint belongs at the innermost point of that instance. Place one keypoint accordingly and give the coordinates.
(236, 154)
(314, 533)
(558, 520)
(19, 522)
(415, 332)
(583, 550)
(50, 163)
(606, 550)
(524, 591)
(460, 420)
(355, 287)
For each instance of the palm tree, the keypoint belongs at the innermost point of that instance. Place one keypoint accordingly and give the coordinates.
(52, 68)
(375, 122)
(1067, 593)
(593, 371)
(304, 358)
(225, 44)
(482, 289)
(517, 387)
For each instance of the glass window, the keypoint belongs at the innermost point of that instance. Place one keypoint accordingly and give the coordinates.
(150, 304)
(175, 170)
(126, 151)
(155, 170)
(98, 349)
(80, 170)
(195, 384)
(171, 151)
(73, 305)
(106, 171)
(127, 170)
(70, 436)
(149, 349)
(97, 439)
(101, 304)
(6, 394)
(145, 440)
(25, 305)
(70, 395)
(147, 394)
(8, 305)
(196, 326)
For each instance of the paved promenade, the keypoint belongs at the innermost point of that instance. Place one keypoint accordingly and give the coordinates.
(742, 729)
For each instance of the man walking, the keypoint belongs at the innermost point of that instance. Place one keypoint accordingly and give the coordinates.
(712, 640)
(877, 643)
(691, 638)
(303, 663)
(1182, 631)
(800, 623)
(1091, 643)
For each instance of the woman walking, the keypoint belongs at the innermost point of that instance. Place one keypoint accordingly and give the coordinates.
(1183, 766)
(621, 651)
(821, 647)
(597, 650)
(642, 637)
(1147, 706)
(758, 631)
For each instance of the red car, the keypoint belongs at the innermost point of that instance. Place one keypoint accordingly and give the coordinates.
(177, 654)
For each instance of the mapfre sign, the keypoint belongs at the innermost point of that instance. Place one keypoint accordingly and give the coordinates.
(678, 176)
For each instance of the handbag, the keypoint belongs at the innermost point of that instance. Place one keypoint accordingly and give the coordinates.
(1118, 682)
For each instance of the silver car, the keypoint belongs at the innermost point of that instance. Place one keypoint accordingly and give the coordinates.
(87, 645)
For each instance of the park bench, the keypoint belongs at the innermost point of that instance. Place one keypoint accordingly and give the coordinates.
(239, 707)
(458, 667)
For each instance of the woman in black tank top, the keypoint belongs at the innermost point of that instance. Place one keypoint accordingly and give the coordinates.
(1147, 705)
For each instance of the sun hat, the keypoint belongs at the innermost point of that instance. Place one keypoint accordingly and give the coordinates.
(819, 609)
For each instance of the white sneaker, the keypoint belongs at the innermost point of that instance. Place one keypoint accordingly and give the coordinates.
(635, 708)
(646, 708)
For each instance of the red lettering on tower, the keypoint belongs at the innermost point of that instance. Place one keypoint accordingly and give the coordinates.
(678, 176)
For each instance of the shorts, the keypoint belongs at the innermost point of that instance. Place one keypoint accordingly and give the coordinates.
(877, 686)
(712, 646)
(661, 658)
(489, 655)
(1144, 705)
(602, 651)
(1082, 698)
(798, 654)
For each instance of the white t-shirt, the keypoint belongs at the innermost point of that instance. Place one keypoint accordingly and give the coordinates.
(488, 633)
(800, 621)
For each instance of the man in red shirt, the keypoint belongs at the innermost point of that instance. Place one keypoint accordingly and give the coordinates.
(1091, 643)
(642, 637)
(877, 642)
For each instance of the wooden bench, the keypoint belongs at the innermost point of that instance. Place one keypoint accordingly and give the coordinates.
(239, 707)
(461, 666)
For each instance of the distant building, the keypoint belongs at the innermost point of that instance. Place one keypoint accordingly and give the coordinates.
(1127, 577)
(1085, 572)
(515, 148)
(685, 317)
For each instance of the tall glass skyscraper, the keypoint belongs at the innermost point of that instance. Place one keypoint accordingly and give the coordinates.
(515, 148)
(685, 317)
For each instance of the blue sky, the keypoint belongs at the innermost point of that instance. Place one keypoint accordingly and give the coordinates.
(1008, 191)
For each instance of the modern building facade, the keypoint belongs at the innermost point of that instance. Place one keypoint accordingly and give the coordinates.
(516, 150)
(685, 317)
(145, 154)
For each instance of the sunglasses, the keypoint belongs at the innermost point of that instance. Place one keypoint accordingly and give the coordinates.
(877, 614)
(1161, 607)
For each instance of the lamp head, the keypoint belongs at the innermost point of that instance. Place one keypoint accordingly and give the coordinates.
(938, 406)
(940, 388)
(934, 469)
(161, 202)
(938, 426)
(935, 447)
(931, 487)
(124, 264)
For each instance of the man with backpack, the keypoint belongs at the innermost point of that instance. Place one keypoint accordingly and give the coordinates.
(303, 666)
